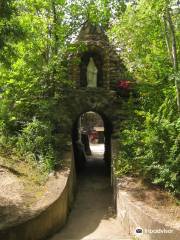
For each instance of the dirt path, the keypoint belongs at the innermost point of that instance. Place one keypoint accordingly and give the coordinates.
(92, 216)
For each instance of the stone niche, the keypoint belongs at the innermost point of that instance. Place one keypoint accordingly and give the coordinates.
(93, 44)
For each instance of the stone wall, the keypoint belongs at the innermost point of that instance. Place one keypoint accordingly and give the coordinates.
(93, 42)
(111, 107)
(134, 214)
(105, 102)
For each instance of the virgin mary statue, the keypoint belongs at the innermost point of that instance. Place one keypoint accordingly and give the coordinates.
(91, 74)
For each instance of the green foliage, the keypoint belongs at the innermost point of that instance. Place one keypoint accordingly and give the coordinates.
(33, 72)
(35, 39)
(153, 152)
(150, 144)
(101, 12)
(36, 141)
(140, 34)
(150, 140)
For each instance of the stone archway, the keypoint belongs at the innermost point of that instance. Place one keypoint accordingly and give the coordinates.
(79, 156)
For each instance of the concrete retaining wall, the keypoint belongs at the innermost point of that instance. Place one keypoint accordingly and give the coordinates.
(50, 219)
(133, 214)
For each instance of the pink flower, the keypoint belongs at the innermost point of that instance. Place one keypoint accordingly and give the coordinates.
(123, 84)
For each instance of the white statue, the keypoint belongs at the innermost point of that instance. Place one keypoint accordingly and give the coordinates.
(91, 74)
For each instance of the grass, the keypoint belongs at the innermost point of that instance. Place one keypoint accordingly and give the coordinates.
(23, 167)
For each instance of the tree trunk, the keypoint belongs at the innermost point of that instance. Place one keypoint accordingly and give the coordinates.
(167, 37)
(174, 55)
(55, 21)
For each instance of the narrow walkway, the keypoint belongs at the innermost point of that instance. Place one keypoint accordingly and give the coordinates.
(92, 216)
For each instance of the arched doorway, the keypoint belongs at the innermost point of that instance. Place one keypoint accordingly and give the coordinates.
(91, 138)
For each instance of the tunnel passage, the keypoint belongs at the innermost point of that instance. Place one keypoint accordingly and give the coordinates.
(90, 130)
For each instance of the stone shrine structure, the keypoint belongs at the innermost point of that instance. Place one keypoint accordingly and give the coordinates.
(95, 44)
(95, 69)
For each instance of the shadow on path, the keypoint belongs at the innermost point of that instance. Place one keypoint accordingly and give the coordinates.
(93, 202)
(92, 214)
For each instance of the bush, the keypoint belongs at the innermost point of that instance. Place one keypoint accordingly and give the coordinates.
(152, 152)
(35, 140)
(6, 140)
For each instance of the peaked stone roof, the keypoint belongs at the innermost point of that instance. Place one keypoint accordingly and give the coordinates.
(91, 31)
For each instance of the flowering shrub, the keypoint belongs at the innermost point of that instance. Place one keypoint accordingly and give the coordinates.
(123, 84)
(123, 88)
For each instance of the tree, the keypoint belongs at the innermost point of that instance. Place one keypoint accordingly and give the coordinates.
(150, 52)
(172, 48)
(147, 34)
(10, 30)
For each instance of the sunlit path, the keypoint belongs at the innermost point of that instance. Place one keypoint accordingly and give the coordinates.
(92, 216)
(97, 149)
